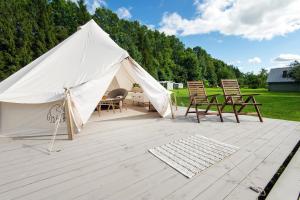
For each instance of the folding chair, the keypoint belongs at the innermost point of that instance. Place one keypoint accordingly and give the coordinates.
(198, 97)
(234, 98)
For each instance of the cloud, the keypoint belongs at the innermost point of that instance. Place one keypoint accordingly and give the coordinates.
(150, 26)
(236, 62)
(255, 60)
(287, 58)
(92, 5)
(123, 13)
(255, 20)
(96, 4)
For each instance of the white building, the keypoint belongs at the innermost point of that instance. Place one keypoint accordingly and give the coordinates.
(170, 85)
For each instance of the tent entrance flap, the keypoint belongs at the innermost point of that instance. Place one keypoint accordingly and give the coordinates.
(86, 97)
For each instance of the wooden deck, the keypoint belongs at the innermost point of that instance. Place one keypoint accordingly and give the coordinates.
(109, 159)
(288, 185)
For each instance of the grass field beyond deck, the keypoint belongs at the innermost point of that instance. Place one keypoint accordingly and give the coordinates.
(277, 105)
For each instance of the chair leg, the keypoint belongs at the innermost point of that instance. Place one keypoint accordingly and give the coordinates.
(113, 107)
(243, 106)
(188, 109)
(220, 113)
(225, 103)
(236, 114)
(175, 101)
(211, 101)
(222, 107)
(197, 114)
(258, 113)
(125, 104)
(99, 109)
(257, 110)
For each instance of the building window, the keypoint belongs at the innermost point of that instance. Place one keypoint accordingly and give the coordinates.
(285, 74)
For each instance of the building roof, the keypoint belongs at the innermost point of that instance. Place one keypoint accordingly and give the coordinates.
(276, 75)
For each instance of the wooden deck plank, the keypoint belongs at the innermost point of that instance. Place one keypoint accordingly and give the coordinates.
(288, 184)
(132, 191)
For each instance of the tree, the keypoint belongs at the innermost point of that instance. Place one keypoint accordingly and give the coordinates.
(207, 66)
(190, 63)
(252, 80)
(262, 78)
(295, 71)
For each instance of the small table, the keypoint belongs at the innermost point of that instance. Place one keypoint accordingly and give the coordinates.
(107, 101)
(139, 97)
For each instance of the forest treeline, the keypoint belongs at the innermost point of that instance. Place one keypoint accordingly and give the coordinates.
(29, 28)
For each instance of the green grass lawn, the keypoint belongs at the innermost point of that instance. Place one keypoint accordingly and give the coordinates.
(277, 105)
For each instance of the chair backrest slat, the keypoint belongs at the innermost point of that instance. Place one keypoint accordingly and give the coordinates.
(197, 91)
(230, 87)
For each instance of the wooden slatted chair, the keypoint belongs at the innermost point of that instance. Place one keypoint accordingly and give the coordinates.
(234, 98)
(198, 97)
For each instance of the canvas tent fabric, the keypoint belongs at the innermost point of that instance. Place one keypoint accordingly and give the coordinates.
(86, 64)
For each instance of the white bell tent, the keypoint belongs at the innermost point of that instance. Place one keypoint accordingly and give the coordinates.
(72, 78)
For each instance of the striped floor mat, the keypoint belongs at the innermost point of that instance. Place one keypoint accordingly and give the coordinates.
(193, 154)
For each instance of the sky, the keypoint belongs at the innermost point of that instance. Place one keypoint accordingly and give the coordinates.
(247, 34)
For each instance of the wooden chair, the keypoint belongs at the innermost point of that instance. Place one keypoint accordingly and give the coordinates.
(234, 98)
(198, 97)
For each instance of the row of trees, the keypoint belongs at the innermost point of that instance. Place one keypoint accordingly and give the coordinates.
(29, 28)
